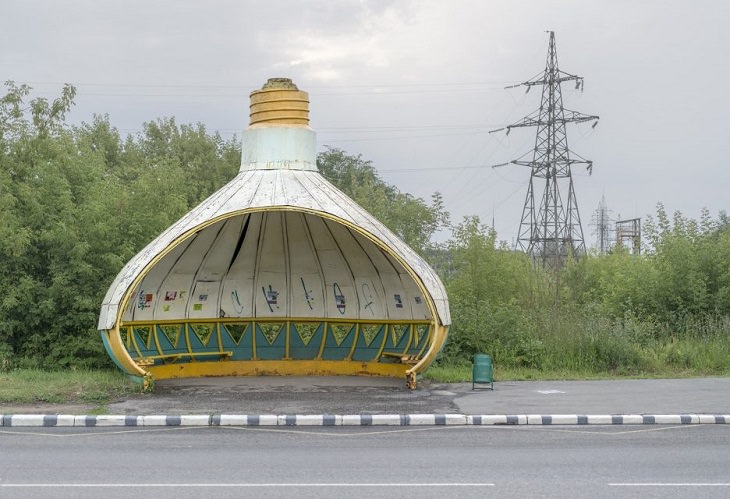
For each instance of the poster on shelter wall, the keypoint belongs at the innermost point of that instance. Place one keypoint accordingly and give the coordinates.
(173, 297)
(418, 305)
(142, 303)
(397, 298)
(203, 302)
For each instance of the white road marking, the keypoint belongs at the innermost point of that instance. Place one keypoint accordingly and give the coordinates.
(612, 430)
(660, 484)
(97, 431)
(304, 431)
(248, 485)
(359, 431)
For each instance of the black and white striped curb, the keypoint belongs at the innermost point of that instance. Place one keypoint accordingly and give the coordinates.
(360, 420)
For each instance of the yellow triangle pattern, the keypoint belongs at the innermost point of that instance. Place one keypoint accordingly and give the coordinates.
(369, 332)
(271, 331)
(203, 332)
(340, 332)
(306, 332)
(172, 333)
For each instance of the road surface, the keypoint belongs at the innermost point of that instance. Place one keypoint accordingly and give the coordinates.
(370, 462)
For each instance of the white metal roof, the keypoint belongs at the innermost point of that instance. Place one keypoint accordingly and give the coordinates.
(197, 254)
(274, 189)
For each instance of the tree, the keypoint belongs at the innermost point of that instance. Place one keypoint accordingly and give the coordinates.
(77, 203)
(409, 217)
(491, 292)
(204, 162)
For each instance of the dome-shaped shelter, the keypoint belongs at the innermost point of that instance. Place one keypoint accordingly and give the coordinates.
(276, 273)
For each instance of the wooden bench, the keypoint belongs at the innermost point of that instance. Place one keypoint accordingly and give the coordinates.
(411, 360)
(174, 357)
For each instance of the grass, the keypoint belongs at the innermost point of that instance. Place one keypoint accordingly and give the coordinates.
(580, 347)
(31, 386)
(463, 373)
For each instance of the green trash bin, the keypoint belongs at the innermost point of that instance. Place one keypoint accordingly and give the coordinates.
(482, 371)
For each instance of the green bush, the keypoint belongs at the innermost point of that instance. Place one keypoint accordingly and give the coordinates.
(7, 358)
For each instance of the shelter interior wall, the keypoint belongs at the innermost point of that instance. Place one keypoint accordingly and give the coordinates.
(277, 264)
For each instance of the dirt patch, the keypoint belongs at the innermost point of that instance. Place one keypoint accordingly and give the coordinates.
(267, 395)
(45, 408)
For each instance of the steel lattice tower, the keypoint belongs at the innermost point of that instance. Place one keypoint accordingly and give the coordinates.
(602, 222)
(550, 228)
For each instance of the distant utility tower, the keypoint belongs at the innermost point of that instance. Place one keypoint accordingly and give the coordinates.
(550, 230)
(602, 222)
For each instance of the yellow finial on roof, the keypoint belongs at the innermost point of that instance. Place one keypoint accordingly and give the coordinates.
(279, 102)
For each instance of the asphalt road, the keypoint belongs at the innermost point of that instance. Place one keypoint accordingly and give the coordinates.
(226, 462)
(366, 395)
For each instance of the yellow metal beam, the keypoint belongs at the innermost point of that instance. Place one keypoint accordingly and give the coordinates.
(278, 368)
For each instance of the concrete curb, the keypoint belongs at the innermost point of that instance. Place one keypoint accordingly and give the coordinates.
(53, 420)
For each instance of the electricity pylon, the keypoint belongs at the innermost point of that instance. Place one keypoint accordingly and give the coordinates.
(602, 222)
(550, 231)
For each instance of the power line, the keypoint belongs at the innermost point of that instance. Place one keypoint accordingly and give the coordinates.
(551, 231)
(254, 86)
(437, 168)
(97, 89)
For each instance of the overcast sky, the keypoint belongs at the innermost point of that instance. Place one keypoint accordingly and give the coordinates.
(415, 86)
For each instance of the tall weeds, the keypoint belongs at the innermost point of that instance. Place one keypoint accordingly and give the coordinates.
(664, 311)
